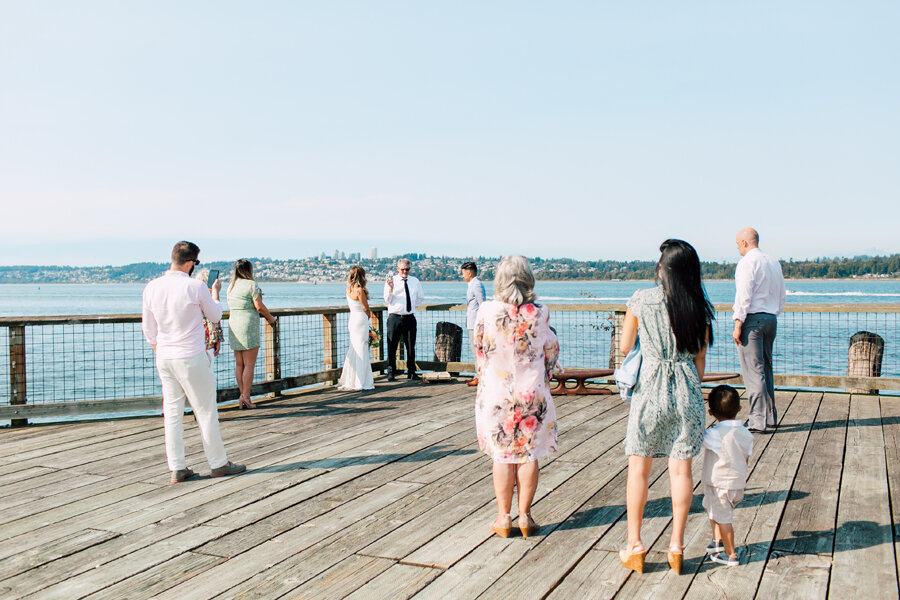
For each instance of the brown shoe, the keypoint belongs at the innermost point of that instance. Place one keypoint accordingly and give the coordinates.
(181, 474)
(228, 468)
(472, 382)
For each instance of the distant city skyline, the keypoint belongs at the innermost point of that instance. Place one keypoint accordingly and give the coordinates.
(590, 130)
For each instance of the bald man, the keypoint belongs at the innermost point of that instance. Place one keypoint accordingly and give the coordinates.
(758, 300)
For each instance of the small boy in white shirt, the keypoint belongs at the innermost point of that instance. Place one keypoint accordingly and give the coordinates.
(727, 446)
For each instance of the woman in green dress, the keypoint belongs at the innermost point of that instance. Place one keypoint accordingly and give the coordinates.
(246, 306)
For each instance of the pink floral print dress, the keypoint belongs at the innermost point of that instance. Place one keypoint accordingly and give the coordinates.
(516, 352)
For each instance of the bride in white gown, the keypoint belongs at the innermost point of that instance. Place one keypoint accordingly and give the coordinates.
(357, 371)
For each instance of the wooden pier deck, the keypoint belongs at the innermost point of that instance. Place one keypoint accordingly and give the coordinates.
(382, 494)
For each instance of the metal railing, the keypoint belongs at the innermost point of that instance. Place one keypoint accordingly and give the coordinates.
(101, 364)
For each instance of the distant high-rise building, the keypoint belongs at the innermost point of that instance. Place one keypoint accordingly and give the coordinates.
(373, 253)
(322, 255)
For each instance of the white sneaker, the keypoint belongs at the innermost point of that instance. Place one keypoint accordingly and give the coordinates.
(724, 559)
(715, 546)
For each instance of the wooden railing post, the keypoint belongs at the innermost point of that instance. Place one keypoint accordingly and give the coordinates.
(18, 384)
(616, 357)
(273, 353)
(330, 341)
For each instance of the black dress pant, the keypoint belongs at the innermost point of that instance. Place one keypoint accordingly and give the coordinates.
(401, 327)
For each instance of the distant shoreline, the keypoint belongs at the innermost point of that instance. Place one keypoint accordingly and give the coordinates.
(281, 281)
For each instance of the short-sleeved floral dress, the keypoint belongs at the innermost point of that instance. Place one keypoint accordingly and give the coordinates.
(243, 318)
(516, 351)
(666, 417)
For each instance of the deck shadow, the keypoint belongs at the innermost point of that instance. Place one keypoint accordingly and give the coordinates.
(884, 421)
(436, 453)
(658, 507)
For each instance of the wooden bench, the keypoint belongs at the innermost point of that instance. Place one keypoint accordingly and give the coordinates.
(579, 376)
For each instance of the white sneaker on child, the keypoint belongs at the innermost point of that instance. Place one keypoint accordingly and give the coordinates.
(715, 546)
(724, 559)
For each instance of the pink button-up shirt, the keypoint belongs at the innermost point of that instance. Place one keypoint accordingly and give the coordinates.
(174, 307)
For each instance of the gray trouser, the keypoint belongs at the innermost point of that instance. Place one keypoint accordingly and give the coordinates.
(474, 351)
(755, 352)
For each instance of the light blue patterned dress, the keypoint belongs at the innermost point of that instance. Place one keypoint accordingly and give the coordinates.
(667, 411)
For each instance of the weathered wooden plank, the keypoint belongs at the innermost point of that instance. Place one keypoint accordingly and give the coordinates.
(598, 576)
(396, 583)
(865, 534)
(77, 542)
(159, 578)
(795, 576)
(890, 423)
(114, 571)
(807, 526)
(137, 539)
(342, 579)
(27, 524)
(244, 566)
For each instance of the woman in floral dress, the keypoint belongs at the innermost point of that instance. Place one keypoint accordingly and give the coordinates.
(667, 413)
(516, 352)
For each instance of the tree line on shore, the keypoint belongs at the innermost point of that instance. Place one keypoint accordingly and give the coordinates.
(447, 269)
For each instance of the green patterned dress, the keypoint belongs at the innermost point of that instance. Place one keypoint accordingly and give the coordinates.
(243, 319)
(667, 411)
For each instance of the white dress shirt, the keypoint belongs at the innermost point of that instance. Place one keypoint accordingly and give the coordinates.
(396, 298)
(727, 448)
(760, 285)
(173, 309)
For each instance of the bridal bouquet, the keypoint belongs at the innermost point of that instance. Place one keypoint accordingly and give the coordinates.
(374, 338)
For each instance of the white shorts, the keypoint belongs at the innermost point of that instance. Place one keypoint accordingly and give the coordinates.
(719, 503)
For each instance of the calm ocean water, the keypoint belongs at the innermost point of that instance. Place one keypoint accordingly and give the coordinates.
(83, 299)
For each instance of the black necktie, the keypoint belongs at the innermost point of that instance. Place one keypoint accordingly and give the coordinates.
(408, 301)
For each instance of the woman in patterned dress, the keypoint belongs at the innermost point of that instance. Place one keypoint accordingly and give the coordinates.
(667, 413)
(514, 414)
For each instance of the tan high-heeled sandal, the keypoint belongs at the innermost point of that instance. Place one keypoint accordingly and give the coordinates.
(675, 558)
(502, 531)
(528, 526)
(245, 403)
(634, 559)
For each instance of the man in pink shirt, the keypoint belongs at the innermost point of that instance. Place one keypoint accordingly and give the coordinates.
(173, 309)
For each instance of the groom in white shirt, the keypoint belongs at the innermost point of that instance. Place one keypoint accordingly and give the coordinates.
(759, 299)
(174, 306)
(402, 294)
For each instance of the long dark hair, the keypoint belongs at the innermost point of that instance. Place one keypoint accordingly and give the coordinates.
(690, 312)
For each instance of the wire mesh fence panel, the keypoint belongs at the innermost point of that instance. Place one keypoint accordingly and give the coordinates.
(96, 359)
(88, 361)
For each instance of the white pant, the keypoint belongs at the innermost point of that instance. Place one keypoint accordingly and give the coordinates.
(190, 378)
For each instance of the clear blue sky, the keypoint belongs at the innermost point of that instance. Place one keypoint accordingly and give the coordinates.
(583, 129)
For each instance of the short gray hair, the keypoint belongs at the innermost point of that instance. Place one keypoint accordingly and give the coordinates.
(514, 281)
(402, 261)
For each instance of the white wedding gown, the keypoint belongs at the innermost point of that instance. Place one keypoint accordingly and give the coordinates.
(357, 372)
